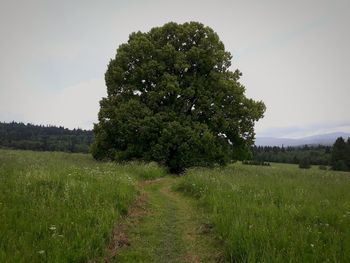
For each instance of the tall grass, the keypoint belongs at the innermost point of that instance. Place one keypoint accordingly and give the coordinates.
(59, 207)
(276, 214)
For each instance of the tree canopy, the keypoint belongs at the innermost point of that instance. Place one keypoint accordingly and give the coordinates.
(172, 98)
(316, 154)
(44, 138)
(341, 155)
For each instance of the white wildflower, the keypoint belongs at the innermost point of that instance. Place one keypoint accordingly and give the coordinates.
(137, 92)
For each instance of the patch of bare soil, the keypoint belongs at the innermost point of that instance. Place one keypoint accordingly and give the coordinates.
(149, 182)
(119, 238)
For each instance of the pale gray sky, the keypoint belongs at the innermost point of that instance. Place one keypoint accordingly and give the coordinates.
(294, 56)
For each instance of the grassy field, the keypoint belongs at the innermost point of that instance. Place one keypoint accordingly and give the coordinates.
(275, 214)
(58, 207)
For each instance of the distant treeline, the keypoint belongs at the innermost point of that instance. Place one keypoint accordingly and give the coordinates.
(51, 138)
(44, 138)
(317, 155)
(337, 156)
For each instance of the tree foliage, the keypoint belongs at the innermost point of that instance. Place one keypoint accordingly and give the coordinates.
(316, 154)
(304, 163)
(171, 98)
(341, 155)
(44, 138)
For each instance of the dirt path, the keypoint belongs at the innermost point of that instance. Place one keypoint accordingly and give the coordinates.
(165, 227)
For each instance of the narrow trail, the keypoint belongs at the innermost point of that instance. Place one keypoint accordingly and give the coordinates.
(165, 227)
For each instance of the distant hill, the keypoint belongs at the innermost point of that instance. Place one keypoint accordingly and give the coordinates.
(44, 138)
(323, 139)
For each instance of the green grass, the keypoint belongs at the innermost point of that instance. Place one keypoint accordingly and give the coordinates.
(156, 237)
(275, 214)
(170, 231)
(59, 207)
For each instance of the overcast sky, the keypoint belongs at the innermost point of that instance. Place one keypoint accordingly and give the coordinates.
(294, 56)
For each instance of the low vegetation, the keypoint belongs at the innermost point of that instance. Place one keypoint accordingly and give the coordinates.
(304, 163)
(275, 214)
(59, 207)
(250, 162)
(169, 229)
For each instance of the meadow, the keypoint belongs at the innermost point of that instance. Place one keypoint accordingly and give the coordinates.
(275, 214)
(59, 207)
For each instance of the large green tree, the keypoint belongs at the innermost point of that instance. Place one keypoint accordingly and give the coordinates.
(172, 98)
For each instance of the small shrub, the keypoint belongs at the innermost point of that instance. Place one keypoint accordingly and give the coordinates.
(340, 165)
(323, 167)
(304, 163)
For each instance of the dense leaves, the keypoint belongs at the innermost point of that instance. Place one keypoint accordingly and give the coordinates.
(315, 154)
(304, 163)
(341, 155)
(44, 138)
(171, 98)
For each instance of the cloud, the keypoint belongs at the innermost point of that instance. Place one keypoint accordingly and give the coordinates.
(293, 55)
(304, 131)
(74, 106)
(283, 38)
(78, 105)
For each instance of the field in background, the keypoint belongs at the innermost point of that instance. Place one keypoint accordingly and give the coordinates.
(275, 214)
(58, 207)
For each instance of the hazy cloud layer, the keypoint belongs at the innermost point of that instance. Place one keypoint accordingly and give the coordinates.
(74, 106)
(294, 56)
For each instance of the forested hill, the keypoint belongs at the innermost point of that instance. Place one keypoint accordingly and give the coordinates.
(44, 138)
(316, 154)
